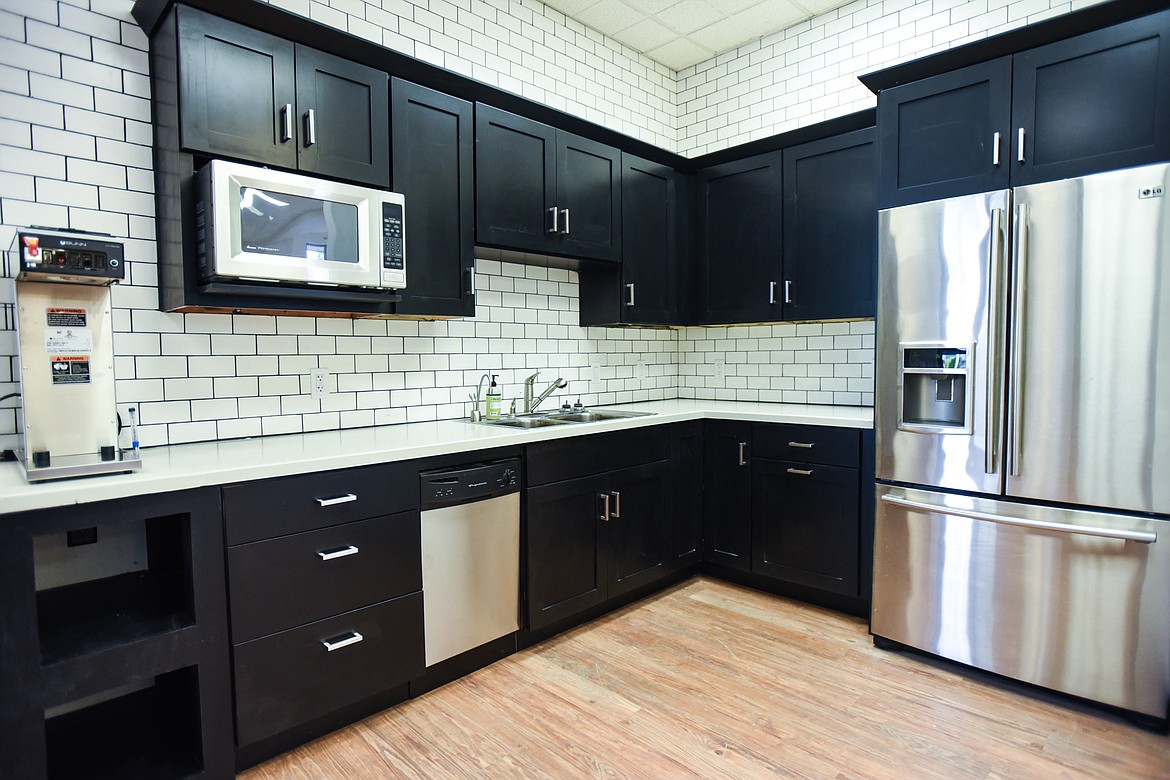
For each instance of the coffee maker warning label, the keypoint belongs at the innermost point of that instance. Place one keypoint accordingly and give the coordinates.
(70, 369)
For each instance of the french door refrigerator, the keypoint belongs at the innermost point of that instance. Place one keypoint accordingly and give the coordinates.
(1023, 434)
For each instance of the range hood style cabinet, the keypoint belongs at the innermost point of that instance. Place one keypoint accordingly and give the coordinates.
(654, 243)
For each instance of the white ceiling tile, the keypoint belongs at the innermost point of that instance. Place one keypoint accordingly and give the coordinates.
(570, 7)
(610, 16)
(815, 7)
(645, 35)
(649, 7)
(755, 22)
(689, 15)
(680, 53)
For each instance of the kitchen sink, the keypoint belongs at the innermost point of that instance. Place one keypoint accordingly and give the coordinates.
(594, 416)
(524, 422)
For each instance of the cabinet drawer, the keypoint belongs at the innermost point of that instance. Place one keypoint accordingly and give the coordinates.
(288, 505)
(290, 678)
(579, 456)
(285, 582)
(806, 443)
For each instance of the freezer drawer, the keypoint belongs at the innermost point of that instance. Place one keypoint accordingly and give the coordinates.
(1070, 600)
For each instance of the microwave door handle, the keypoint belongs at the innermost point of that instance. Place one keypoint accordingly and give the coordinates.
(310, 128)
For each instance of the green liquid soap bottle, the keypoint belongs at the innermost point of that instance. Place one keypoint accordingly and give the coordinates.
(491, 409)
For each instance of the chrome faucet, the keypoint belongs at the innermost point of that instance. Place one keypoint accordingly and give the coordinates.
(477, 399)
(531, 403)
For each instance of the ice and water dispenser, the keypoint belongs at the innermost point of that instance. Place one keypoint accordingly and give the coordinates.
(937, 389)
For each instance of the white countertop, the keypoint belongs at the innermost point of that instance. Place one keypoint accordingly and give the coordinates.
(185, 466)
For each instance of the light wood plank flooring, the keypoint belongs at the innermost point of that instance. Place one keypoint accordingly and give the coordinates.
(710, 680)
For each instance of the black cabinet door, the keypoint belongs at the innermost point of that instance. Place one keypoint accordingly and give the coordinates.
(686, 451)
(1096, 102)
(946, 135)
(589, 197)
(564, 555)
(830, 218)
(644, 290)
(739, 216)
(343, 117)
(237, 90)
(433, 166)
(515, 181)
(805, 528)
(639, 526)
(727, 504)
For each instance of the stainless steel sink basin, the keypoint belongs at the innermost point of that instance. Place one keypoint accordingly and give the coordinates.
(524, 422)
(595, 416)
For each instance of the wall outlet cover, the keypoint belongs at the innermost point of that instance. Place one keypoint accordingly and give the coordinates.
(318, 383)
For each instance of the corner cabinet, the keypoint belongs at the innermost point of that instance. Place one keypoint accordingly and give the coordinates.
(727, 494)
(830, 228)
(739, 271)
(114, 653)
(543, 190)
(594, 535)
(643, 290)
(1094, 102)
(247, 94)
(433, 166)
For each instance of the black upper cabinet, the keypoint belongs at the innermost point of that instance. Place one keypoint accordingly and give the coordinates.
(433, 150)
(939, 137)
(739, 252)
(643, 290)
(727, 499)
(1094, 102)
(252, 96)
(539, 189)
(235, 83)
(830, 211)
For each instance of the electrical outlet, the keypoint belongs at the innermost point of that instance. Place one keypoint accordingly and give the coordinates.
(318, 383)
(720, 368)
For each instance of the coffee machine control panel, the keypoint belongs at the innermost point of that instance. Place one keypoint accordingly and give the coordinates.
(51, 256)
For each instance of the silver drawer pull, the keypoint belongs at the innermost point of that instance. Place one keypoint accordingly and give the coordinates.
(337, 499)
(338, 643)
(801, 472)
(340, 552)
(804, 445)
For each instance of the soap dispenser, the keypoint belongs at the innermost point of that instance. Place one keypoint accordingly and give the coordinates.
(492, 402)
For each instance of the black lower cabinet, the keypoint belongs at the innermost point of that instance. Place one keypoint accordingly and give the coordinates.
(727, 497)
(804, 524)
(113, 640)
(686, 453)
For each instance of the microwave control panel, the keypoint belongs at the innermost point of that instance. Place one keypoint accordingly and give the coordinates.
(393, 246)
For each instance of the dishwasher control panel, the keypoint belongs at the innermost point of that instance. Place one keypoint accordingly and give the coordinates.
(474, 482)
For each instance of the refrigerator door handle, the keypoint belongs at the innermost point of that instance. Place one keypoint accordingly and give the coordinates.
(995, 298)
(1019, 283)
(1141, 537)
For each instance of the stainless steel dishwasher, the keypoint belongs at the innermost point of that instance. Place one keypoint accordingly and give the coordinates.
(470, 556)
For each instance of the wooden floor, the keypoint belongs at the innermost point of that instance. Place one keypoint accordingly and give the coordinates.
(710, 680)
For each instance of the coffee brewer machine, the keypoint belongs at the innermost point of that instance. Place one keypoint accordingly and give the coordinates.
(66, 354)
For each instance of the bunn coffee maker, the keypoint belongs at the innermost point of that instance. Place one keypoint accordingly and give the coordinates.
(66, 354)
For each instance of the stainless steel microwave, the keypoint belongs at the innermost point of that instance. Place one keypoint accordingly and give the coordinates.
(256, 224)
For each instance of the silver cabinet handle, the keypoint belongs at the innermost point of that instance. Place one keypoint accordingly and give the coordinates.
(348, 497)
(310, 128)
(338, 643)
(804, 445)
(341, 552)
(1142, 537)
(801, 472)
(604, 506)
(995, 299)
(565, 215)
(1019, 286)
(630, 289)
(471, 280)
(788, 291)
(554, 213)
(286, 128)
(771, 293)
(743, 453)
(617, 505)
(1020, 149)
(995, 150)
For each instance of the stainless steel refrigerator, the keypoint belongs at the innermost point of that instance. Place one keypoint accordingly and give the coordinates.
(1023, 434)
